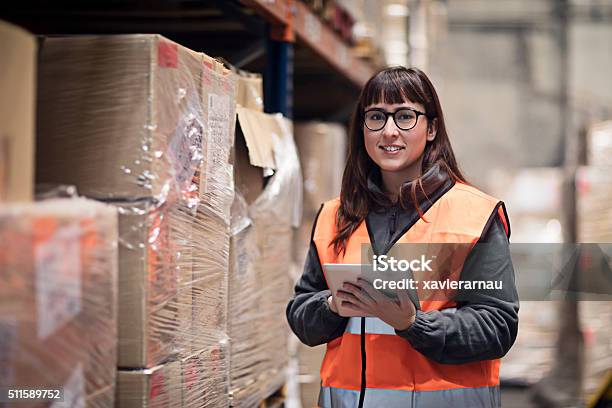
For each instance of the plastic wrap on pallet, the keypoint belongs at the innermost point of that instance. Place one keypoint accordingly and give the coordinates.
(147, 125)
(246, 348)
(120, 116)
(274, 214)
(260, 283)
(58, 285)
(197, 380)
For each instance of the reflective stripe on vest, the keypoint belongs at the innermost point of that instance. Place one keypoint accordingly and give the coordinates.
(394, 369)
(484, 397)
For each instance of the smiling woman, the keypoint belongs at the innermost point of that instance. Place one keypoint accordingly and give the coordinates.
(401, 184)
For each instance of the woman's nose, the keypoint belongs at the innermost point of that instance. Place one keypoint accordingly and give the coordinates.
(390, 128)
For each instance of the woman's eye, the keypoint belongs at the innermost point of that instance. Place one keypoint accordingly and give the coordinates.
(376, 116)
(405, 116)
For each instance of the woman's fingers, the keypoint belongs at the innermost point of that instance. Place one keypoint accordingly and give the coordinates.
(358, 292)
(353, 307)
(347, 296)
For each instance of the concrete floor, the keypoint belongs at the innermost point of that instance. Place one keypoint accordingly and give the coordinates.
(516, 397)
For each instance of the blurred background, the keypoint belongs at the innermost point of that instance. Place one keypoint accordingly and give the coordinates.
(526, 88)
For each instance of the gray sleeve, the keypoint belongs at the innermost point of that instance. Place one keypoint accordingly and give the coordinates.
(308, 312)
(485, 324)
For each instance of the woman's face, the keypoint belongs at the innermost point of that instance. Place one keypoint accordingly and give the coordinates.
(395, 150)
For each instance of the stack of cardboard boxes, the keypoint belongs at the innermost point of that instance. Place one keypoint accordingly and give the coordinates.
(146, 127)
(322, 151)
(58, 285)
(264, 213)
(58, 263)
(145, 124)
(533, 198)
(594, 225)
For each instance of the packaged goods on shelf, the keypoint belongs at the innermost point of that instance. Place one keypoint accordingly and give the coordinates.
(260, 283)
(205, 377)
(197, 380)
(322, 150)
(17, 93)
(119, 116)
(599, 145)
(147, 125)
(209, 282)
(533, 197)
(58, 316)
(159, 386)
(594, 213)
(310, 360)
(154, 282)
(246, 362)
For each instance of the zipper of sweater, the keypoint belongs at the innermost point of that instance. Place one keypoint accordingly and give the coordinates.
(393, 215)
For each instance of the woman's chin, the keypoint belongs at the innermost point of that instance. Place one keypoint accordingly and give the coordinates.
(393, 166)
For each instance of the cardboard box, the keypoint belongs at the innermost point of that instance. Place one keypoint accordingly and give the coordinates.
(160, 386)
(599, 145)
(17, 93)
(205, 377)
(593, 209)
(218, 89)
(155, 272)
(58, 316)
(247, 348)
(209, 280)
(119, 116)
(322, 150)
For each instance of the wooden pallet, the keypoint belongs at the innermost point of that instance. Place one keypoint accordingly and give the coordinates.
(276, 400)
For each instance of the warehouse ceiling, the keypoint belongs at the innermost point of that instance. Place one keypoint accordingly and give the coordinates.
(220, 28)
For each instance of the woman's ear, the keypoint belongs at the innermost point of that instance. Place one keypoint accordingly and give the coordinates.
(432, 130)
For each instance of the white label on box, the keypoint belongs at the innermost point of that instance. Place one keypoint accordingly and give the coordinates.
(58, 279)
(8, 345)
(74, 390)
(218, 136)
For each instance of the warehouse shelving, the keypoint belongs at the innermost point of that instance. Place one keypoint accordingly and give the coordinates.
(309, 71)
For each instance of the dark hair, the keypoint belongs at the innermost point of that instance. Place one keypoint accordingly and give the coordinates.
(390, 85)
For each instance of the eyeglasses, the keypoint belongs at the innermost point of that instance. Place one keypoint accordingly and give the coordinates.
(404, 118)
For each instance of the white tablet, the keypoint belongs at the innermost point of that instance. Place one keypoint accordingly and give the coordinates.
(336, 275)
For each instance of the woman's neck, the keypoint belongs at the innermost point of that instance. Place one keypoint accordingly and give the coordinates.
(392, 181)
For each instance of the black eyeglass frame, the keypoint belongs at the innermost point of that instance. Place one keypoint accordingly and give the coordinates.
(387, 114)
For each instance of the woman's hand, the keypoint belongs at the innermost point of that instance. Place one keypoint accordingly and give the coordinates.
(363, 298)
(332, 304)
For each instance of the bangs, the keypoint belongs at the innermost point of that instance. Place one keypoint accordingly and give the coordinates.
(393, 86)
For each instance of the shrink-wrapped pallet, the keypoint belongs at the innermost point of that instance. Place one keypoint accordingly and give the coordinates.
(145, 124)
(58, 285)
(260, 282)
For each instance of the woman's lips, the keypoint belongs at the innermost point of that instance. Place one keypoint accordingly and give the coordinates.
(391, 150)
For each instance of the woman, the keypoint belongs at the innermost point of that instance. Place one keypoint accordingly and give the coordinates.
(402, 184)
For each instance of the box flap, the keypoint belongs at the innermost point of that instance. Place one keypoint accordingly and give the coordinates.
(258, 128)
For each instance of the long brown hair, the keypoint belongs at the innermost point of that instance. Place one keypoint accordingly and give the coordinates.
(391, 85)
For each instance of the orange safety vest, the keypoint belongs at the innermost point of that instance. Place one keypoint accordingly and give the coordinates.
(397, 375)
